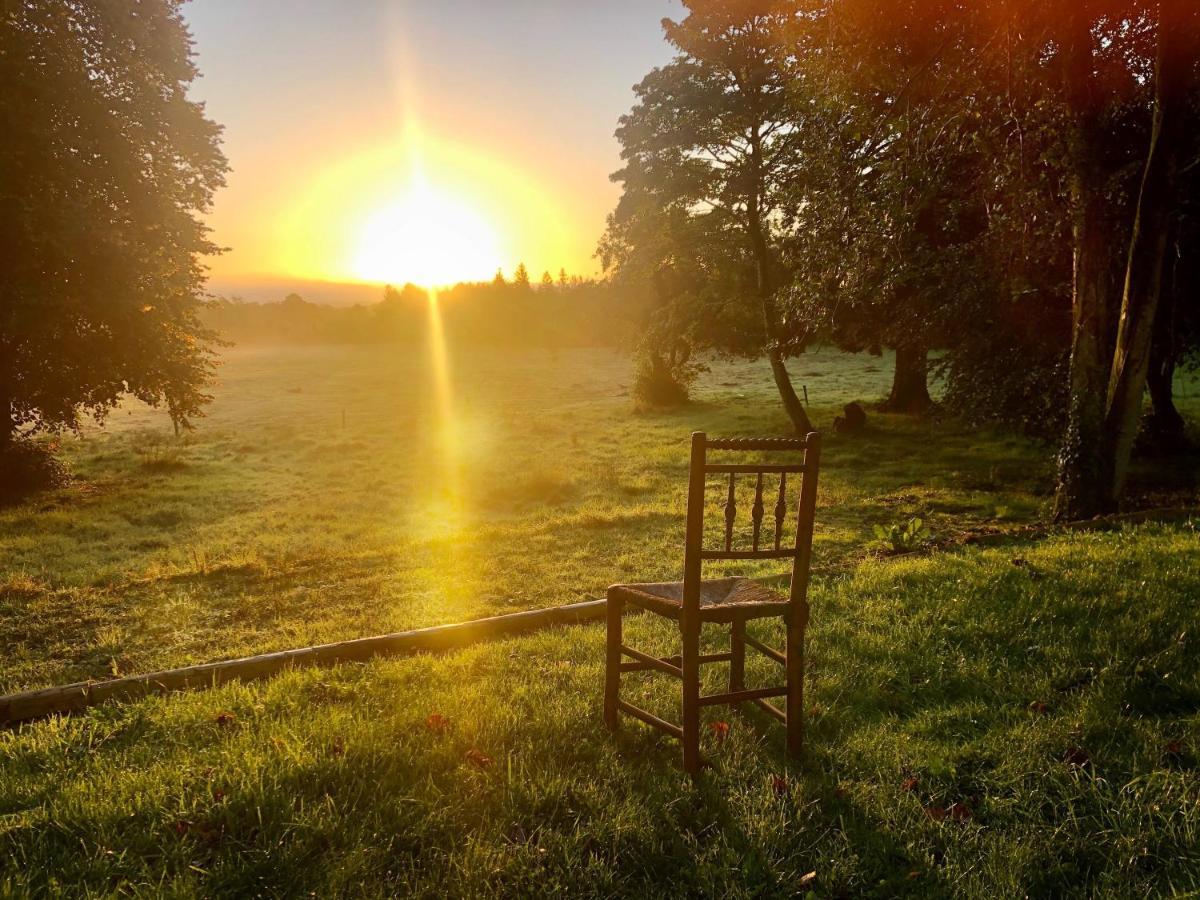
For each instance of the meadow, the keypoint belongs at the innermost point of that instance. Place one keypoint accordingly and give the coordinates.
(338, 492)
(1020, 719)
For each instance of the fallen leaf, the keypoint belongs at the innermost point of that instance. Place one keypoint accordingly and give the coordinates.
(478, 758)
(225, 719)
(182, 826)
(1040, 707)
(910, 783)
(1174, 748)
(337, 748)
(437, 723)
(218, 795)
(780, 785)
(720, 731)
(808, 879)
(960, 812)
(937, 813)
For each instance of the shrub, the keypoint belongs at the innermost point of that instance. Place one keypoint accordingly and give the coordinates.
(660, 381)
(27, 467)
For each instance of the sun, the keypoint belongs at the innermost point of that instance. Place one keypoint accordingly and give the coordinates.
(426, 236)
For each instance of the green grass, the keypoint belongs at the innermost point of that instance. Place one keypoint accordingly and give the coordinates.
(274, 526)
(329, 782)
(1016, 721)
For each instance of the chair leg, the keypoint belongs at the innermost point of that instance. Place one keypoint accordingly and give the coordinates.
(612, 661)
(691, 695)
(796, 627)
(737, 661)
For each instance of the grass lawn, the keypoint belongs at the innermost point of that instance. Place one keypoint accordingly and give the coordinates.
(1019, 720)
(275, 526)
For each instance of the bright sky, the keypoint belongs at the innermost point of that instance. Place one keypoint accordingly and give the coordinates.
(418, 140)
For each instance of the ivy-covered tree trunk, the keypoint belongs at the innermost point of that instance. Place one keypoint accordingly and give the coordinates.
(1083, 473)
(910, 382)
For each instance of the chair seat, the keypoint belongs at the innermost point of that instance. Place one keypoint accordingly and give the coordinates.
(721, 599)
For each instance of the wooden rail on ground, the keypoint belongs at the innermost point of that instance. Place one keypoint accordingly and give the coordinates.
(73, 698)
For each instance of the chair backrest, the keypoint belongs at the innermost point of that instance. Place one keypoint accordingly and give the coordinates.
(799, 550)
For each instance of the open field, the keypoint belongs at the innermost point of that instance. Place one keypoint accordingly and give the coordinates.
(928, 772)
(1017, 720)
(275, 525)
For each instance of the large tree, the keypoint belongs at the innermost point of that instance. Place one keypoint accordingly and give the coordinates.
(1119, 61)
(707, 149)
(106, 167)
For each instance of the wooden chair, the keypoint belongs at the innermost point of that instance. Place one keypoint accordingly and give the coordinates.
(733, 601)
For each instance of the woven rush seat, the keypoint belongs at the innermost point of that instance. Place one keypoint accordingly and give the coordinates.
(721, 599)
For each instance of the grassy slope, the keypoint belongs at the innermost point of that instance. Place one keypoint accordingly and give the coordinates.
(276, 527)
(922, 668)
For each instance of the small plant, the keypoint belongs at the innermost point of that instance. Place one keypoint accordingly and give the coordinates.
(903, 538)
(158, 452)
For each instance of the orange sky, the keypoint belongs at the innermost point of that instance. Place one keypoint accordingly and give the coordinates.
(384, 140)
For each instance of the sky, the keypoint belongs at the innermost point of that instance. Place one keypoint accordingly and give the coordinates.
(416, 140)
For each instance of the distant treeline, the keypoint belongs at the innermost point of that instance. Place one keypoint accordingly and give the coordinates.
(574, 313)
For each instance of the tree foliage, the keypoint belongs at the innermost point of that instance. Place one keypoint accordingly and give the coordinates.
(1009, 182)
(107, 168)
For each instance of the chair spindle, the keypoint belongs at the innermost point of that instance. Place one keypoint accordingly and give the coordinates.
(730, 514)
(757, 511)
(780, 508)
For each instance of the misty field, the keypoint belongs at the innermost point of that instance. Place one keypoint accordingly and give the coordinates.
(1013, 720)
(328, 495)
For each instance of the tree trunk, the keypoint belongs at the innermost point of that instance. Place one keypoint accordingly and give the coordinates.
(8, 425)
(1147, 248)
(762, 263)
(792, 404)
(910, 383)
(1082, 469)
(1082, 473)
(1166, 425)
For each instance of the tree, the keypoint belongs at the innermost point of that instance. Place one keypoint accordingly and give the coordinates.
(547, 280)
(521, 276)
(710, 140)
(1120, 237)
(107, 168)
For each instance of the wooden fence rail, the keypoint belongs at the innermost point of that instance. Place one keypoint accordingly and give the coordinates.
(73, 698)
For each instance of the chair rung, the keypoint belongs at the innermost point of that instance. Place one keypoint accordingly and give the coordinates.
(770, 709)
(652, 662)
(675, 662)
(747, 554)
(766, 651)
(751, 468)
(650, 719)
(739, 696)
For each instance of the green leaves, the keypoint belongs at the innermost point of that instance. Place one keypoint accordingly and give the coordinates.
(903, 537)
